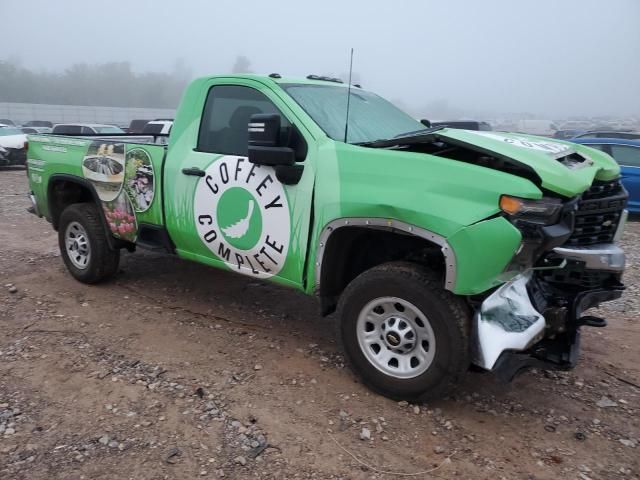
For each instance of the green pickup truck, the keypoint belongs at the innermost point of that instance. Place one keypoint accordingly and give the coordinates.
(438, 248)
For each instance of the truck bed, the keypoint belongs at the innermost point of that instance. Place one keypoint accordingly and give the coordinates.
(123, 171)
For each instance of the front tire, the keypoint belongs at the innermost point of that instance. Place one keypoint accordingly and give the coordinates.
(403, 334)
(84, 245)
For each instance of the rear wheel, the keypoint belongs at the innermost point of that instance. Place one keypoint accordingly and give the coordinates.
(402, 333)
(84, 245)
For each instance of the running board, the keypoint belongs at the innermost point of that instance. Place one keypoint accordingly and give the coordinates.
(154, 238)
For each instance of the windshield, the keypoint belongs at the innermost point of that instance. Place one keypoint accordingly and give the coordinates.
(108, 130)
(370, 117)
(6, 131)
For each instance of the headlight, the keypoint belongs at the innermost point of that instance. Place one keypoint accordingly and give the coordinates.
(543, 212)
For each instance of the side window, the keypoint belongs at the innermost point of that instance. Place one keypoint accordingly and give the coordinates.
(626, 155)
(225, 119)
(87, 130)
(597, 146)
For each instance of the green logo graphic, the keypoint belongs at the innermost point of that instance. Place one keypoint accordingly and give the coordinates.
(239, 218)
(242, 216)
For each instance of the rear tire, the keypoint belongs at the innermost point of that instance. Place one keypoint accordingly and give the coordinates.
(84, 245)
(403, 334)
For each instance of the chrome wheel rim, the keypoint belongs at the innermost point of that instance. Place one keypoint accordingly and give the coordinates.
(77, 245)
(396, 337)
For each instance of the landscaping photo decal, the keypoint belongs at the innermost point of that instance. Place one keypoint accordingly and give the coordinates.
(139, 179)
(103, 166)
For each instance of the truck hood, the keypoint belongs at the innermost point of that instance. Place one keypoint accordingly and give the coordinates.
(564, 168)
(12, 141)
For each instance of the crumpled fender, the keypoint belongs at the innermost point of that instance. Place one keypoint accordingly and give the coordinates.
(482, 252)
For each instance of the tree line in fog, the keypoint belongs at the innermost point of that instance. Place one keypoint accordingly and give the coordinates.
(112, 84)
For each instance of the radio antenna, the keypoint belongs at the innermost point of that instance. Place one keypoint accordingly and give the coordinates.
(346, 122)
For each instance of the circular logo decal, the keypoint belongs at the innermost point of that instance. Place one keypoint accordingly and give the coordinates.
(242, 216)
(139, 179)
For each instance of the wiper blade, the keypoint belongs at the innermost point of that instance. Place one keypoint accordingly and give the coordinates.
(418, 133)
(413, 132)
(404, 139)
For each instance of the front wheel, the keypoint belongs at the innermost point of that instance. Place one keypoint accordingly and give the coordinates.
(84, 245)
(402, 333)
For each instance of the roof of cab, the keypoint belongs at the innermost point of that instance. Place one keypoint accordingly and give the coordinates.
(280, 79)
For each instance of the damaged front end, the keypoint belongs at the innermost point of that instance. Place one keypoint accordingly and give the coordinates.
(12, 156)
(535, 318)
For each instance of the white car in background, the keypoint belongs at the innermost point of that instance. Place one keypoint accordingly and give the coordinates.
(13, 149)
(35, 130)
(85, 128)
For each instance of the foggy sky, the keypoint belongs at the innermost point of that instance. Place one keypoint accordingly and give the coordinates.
(547, 57)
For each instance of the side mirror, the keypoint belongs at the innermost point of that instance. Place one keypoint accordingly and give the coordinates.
(426, 122)
(264, 141)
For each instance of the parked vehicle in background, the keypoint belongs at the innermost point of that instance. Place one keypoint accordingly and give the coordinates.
(424, 240)
(40, 129)
(12, 146)
(537, 127)
(463, 124)
(136, 126)
(32, 130)
(627, 153)
(85, 129)
(629, 135)
(6, 121)
(38, 123)
(159, 127)
(566, 134)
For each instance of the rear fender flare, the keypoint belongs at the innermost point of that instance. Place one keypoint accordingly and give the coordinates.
(114, 243)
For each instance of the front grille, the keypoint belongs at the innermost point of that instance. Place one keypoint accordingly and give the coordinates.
(598, 214)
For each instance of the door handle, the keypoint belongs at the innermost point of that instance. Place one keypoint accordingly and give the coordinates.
(195, 171)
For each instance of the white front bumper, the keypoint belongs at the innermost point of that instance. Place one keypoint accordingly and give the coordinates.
(505, 321)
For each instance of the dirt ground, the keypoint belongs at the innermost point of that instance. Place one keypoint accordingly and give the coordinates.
(175, 371)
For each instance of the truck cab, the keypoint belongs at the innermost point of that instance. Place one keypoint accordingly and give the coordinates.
(436, 247)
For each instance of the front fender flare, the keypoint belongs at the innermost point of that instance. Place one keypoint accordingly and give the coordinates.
(391, 225)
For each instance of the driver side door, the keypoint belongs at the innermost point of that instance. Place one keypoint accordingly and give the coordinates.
(230, 213)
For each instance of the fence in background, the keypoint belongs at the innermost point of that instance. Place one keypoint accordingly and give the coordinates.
(23, 112)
